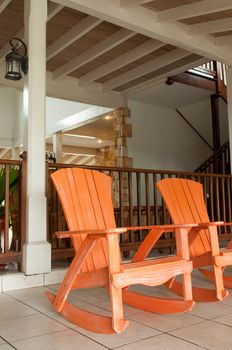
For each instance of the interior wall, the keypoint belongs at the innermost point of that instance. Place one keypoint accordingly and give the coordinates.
(163, 140)
(7, 112)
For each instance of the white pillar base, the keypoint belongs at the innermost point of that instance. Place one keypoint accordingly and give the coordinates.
(36, 257)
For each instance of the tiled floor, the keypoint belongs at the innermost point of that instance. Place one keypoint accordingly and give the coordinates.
(27, 322)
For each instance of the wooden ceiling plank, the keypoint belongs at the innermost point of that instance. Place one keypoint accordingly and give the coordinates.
(195, 9)
(131, 56)
(146, 68)
(4, 152)
(53, 9)
(7, 48)
(217, 26)
(144, 21)
(75, 33)
(105, 45)
(145, 85)
(223, 40)
(71, 159)
(129, 3)
(4, 4)
(84, 160)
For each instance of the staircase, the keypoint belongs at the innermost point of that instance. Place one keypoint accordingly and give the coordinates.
(218, 162)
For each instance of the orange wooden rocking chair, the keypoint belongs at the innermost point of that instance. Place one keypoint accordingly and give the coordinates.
(86, 199)
(185, 202)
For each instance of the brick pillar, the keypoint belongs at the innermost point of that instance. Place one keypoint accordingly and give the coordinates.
(106, 156)
(122, 130)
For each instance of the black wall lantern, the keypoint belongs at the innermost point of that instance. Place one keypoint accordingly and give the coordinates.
(16, 63)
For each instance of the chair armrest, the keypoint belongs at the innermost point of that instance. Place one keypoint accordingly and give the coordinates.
(99, 233)
(121, 230)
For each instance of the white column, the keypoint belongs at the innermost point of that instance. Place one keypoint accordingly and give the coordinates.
(229, 104)
(36, 250)
(57, 146)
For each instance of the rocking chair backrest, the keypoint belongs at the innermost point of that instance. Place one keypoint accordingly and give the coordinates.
(86, 199)
(185, 202)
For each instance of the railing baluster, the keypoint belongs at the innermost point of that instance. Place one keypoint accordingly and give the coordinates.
(7, 207)
(148, 207)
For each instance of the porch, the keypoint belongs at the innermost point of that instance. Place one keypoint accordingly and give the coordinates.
(27, 322)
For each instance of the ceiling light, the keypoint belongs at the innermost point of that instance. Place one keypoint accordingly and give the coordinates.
(99, 141)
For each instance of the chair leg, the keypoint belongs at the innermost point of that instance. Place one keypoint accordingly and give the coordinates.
(118, 322)
(219, 284)
(72, 273)
(187, 286)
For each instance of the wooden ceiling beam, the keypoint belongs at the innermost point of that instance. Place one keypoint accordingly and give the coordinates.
(53, 9)
(146, 68)
(75, 33)
(105, 45)
(121, 61)
(7, 48)
(3, 152)
(193, 10)
(144, 21)
(217, 26)
(4, 4)
(129, 3)
(71, 159)
(161, 79)
(223, 40)
(84, 160)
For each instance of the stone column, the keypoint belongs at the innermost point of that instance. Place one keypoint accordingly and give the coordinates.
(36, 250)
(122, 130)
(229, 104)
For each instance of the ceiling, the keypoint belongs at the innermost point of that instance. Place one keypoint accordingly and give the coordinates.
(172, 96)
(119, 48)
(111, 49)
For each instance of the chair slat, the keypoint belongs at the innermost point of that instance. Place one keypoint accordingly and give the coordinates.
(86, 206)
(185, 202)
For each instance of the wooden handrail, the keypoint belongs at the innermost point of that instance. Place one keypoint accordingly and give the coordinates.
(137, 202)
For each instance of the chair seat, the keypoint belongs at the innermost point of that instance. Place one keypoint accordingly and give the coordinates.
(151, 272)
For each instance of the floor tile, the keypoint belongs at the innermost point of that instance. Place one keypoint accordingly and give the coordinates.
(160, 342)
(133, 333)
(26, 293)
(165, 323)
(127, 310)
(65, 340)
(2, 341)
(14, 309)
(30, 326)
(5, 298)
(208, 334)
(6, 347)
(226, 319)
(211, 310)
(42, 304)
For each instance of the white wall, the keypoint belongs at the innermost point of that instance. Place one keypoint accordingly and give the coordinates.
(200, 116)
(7, 105)
(57, 109)
(162, 140)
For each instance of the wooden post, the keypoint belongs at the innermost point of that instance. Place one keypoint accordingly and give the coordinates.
(36, 249)
(229, 104)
